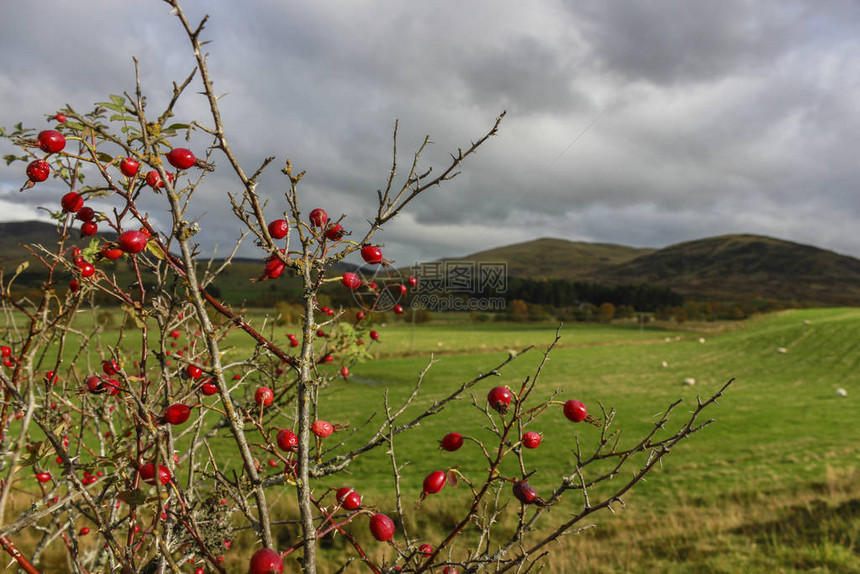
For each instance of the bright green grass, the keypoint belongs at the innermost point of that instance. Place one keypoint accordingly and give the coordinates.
(780, 425)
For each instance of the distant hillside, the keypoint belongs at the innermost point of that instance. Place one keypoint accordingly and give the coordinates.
(747, 267)
(15, 233)
(729, 267)
(548, 258)
(725, 268)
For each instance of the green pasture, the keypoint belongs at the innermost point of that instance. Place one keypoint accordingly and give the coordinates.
(781, 436)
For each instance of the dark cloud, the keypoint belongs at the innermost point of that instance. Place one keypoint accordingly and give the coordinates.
(639, 123)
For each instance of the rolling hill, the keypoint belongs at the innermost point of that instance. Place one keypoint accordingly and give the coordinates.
(728, 267)
(724, 268)
(549, 258)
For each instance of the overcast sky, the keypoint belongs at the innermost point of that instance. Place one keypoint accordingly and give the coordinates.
(640, 123)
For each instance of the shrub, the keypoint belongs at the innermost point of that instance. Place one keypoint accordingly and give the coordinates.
(90, 428)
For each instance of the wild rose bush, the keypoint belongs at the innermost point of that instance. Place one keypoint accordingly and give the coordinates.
(91, 417)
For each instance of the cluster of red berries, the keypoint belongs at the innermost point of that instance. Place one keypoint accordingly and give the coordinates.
(499, 399)
(132, 241)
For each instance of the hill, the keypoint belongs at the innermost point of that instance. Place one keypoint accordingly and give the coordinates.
(728, 267)
(549, 258)
(724, 268)
(747, 267)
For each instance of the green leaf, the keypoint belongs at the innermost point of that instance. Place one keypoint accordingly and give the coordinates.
(104, 157)
(74, 126)
(110, 106)
(174, 127)
(118, 100)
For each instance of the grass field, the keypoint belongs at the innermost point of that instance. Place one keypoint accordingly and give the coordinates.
(772, 486)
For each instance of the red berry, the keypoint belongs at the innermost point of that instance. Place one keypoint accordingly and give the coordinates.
(84, 531)
(450, 570)
(531, 439)
(381, 527)
(499, 399)
(109, 252)
(318, 217)
(264, 396)
(412, 280)
(278, 228)
(112, 386)
(322, 429)
(129, 166)
(402, 288)
(74, 286)
(327, 359)
(87, 269)
(6, 351)
(175, 334)
(132, 241)
(51, 141)
(181, 158)
(359, 316)
(452, 441)
(89, 229)
(266, 561)
(287, 440)
(333, 232)
(110, 367)
(434, 482)
(351, 280)
(294, 343)
(398, 309)
(371, 254)
(348, 498)
(575, 411)
(193, 371)
(524, 492)
(274, 268)
(344, 371)
(147, 473)
(38, 170)
(209, 389)
(85, 214)
(374, 335)
(43, 476)
(177, 414)
(60, 118)
(425, 550)
(153, 179)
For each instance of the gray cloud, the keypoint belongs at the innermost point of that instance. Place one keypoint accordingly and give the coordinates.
(714, 118)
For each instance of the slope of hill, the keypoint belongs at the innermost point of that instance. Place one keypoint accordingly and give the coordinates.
(549, 258)
(729, 267)
(747, 267)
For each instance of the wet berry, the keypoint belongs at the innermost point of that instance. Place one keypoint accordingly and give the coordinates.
(38, 170)
(51, 141)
